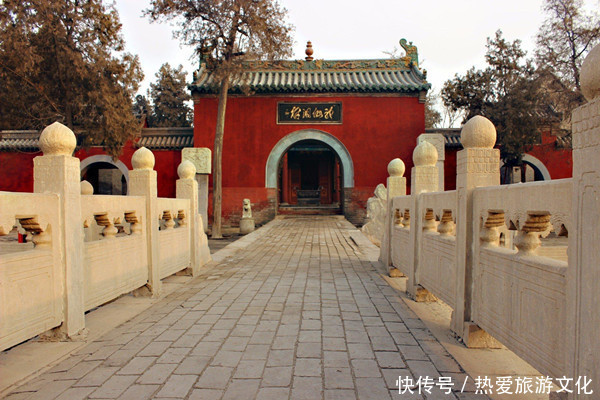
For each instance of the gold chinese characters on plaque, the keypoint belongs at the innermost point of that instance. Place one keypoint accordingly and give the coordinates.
(309, 113)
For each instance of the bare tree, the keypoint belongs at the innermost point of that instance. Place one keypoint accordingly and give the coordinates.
(565, 38)
(224, 34)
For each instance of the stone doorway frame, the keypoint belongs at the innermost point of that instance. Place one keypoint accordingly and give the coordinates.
(289, 140)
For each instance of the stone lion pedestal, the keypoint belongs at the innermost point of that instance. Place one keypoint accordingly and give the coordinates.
(247, 222)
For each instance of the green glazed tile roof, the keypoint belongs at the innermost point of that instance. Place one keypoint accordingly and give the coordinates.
(321, 76)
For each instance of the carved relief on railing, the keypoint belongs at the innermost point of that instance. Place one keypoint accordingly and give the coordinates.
(528, 237)
(167, 220)
(181, 218)
(28, 225)
(447, 225)
(398, 218)
(109, 231)
(490, 234)
(406, 218)
(135, 223)
(171, 219)
(40, 237)
(110, 217)
(429, 223)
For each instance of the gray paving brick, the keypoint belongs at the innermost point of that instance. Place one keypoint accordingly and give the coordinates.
(307, 388)
(242, 389)
(139, 392)
(214, 378)
(272, 393)
(250, 369)
(137, 366)
(307, 367)
(193, 365)
(76, 393)
(206, 394)
(338, 378)
(114, 387)
(280, 358)
(177, 386)
(277, 376)
(372, 388)
(157, 374)
(97, 377)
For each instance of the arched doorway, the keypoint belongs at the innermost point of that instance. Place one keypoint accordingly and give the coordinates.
(310, 169)
(532, 170)
(310, 175)
(105, 175)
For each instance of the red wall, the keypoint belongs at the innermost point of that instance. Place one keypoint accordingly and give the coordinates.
(374, 130)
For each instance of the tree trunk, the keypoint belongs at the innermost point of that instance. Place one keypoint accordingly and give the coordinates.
(217, 161)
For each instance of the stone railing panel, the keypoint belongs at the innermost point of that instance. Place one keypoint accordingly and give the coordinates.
(117, 262)
(437, 261)
(401, 250)
(174, 235)
(31, 281)
(519, 296)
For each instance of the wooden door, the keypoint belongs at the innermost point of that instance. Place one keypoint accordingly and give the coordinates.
(294, 179)
(325, 174)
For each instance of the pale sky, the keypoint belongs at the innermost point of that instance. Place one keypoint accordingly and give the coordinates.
(450, 35)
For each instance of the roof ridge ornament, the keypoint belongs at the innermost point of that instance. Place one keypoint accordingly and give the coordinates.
(309, 51)
(412, 55)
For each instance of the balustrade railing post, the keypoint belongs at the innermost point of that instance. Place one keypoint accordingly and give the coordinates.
(583, 274)
(439, 142)
(187, 188)
(143, 182)
(424, 178)
(201, 158)
(396, 186)
(57, 171)
(478, 165)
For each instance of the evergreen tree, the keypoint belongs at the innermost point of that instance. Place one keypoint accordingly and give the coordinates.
(169, 96)
(63, 60)
(507, 92)
(224, 34)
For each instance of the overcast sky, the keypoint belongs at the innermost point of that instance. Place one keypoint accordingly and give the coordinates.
(450, 35)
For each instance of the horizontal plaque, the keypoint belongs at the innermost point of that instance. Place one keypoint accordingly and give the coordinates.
(309, 113)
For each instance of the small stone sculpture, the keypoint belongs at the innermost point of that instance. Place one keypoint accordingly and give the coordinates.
(376, 206)
(247, 222)
(247, 209)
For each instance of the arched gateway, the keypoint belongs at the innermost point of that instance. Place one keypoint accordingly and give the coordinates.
(309, 168)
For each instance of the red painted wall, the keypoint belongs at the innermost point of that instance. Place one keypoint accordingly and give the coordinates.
(375, 130)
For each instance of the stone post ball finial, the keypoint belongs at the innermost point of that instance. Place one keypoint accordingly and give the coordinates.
(478, 132)
(186, 170)
(57, 139)
(86, 188)
(590, 74)
(396, 167)
(425, 154)
(142, 159)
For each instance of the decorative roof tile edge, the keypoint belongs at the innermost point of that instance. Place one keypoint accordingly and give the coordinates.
(172, 139)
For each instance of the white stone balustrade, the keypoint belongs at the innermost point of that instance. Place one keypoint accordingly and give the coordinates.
(534, 299)
(88, 249)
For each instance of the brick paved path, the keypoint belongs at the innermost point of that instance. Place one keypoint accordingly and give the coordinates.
(300, 313)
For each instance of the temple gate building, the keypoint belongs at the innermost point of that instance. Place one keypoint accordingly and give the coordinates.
(313, 135)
